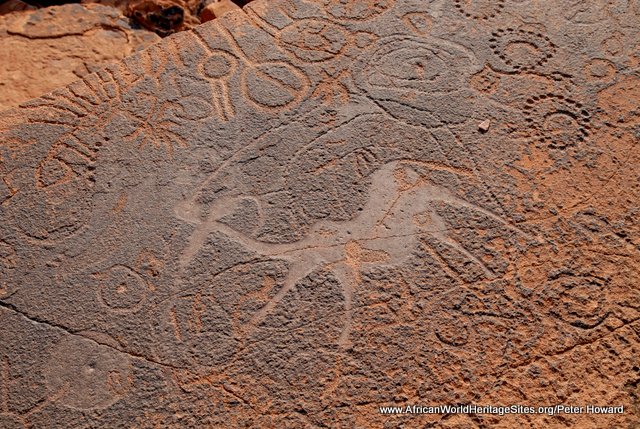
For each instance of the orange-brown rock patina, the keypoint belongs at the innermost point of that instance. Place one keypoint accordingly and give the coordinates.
(43, 49)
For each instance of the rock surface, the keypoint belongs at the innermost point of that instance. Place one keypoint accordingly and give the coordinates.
(289, 218)
(10, 6)
(216, 9)
(44, 49)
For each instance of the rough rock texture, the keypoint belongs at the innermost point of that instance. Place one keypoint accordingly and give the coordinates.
(166, 17)
(297, 214)
(10, 6)
(44, 49)
(216, 9)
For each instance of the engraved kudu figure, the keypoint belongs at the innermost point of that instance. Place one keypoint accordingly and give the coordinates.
(386, 231)
(393, 165)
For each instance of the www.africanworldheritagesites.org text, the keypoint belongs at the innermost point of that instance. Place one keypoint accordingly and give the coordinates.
(502, 409)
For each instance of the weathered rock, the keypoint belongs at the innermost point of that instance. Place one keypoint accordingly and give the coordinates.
(216, 9)
(44, 49)
(288, 218)
(164, 17)
(14, 6)
(484, 125)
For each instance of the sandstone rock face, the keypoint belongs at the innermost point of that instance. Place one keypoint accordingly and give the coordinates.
(164, 16)
(10, 6)
(44, 49)
(216, 9)
(291, 217)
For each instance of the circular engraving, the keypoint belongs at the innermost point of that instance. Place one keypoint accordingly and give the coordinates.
(121, 288)
(521, 50)
(219, 65)
(452, 330)
(558, 121)
(579, 300)
(85, 375)
(314, 40)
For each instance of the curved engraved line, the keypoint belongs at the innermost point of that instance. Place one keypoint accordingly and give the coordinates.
(301, 265)
(123, 310)
(154, 306)
(226, 34)
(183, 212)
(222, 101)
(36, 242)
(329, 132)
(68, 176)
(233, 63)
(428, 112)
(289, 46)
(262, 23)
(360, 70)
(543, 46)
(452, 48)
(77, 88)
(304, 80)
(55, 107)
(96, 88)
(374, 15)
(406, 18)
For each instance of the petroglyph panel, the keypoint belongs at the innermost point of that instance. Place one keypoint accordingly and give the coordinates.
(309, 209)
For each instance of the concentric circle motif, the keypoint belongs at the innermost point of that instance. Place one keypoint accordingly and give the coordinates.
(521, 50)
(558, 121)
